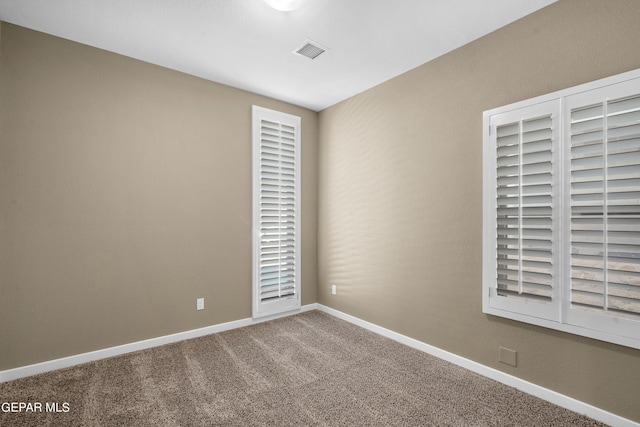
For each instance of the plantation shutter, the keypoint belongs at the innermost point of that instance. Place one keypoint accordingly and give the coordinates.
(524, 217)
(276, 212)
(604, 174)
(561, 217)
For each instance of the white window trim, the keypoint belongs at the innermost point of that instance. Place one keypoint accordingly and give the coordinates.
(562, 320)
(291, 302)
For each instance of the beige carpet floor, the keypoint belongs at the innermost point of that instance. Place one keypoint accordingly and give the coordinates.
(310, 369)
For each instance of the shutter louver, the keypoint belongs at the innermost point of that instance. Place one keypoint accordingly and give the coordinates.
(605, 207)
(277, 211)
(524, 222)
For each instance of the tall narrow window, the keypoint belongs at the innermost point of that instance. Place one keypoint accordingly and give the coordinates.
(276, 212)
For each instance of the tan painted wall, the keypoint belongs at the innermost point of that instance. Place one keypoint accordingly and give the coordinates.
(125, 194)
(400, 220)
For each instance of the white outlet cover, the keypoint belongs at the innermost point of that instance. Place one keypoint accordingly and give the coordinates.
(200, 304)
(334, 289)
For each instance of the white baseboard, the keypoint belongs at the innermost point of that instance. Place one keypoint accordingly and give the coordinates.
(65, 362)
(525, 386)
(515, 382)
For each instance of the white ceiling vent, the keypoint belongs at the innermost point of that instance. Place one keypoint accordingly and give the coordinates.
(310, 49)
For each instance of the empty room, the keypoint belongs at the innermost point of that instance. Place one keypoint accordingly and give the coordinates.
(320, 212)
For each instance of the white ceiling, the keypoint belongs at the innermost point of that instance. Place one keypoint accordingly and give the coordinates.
(248, 45)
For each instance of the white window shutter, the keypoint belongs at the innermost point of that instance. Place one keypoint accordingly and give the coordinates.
(524, 222)
(276, 208)
(603, 177)
(561, 217)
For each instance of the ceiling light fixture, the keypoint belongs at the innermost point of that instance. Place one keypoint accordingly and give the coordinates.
(284, 5)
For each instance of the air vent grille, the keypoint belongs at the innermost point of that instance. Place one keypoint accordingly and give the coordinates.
(309, 49)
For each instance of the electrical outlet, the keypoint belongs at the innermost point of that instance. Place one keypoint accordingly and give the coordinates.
(508, 356)
(334, 289)
(200, 304)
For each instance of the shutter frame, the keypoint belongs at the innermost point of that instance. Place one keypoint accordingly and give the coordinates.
(276, 212)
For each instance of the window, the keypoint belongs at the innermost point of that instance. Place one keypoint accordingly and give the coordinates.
(562, 210)
(276, 212)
